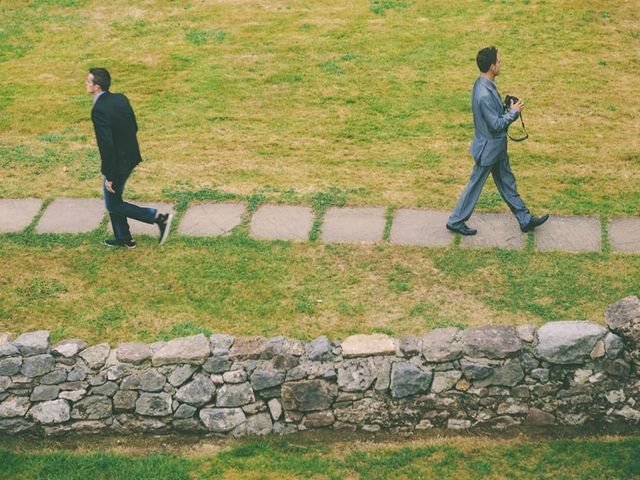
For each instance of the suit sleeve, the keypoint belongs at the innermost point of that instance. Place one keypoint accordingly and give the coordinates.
(104, 137)
(496, 120)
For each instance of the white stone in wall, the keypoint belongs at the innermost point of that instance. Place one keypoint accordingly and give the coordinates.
(55, 411)
(365, 345)
(193, 350)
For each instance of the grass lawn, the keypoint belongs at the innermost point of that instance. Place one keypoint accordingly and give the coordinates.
(305, 457)
(319, 103)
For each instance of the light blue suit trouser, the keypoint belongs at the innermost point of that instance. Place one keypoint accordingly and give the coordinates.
(506, 183)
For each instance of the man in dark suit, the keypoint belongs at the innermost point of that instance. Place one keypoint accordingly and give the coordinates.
(115, 125)
(489, 150)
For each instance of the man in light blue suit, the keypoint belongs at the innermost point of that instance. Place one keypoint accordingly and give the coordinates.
(489, 150)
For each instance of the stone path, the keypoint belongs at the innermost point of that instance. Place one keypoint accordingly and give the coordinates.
(366, 225)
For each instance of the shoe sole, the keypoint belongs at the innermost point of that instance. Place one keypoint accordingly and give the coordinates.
(118, 246)
(531, 229)
(165, 234)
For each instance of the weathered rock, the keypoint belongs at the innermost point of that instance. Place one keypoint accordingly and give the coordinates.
(474, 369)
(598, 350)
(10, 365)
(613, 345)
(73, 395)
(221, 342)
(366, 345)
(15, 425)
(628, 413)
(617, 368)
(192, 350)
(95, 356)
(69, 348)
(623, 318)
(235, 395)
(410, 345)
(33, 343)
(319, 419)
(615, 396)
(185, 411)
(133, 352)
(125, 400)
(529, 362)
(92, 408)
(152, 381)
(197, 392)
(8, 349)
(222, 420)
(14, 406)
(76, 375)
(357, 375)
(235, 376)
(248, 348)
(491, 342)
(55, 411)
(441, 345)
(540, 374)
(319, 350)
(458, 424)
(275, 408)
(308, 395)
(44, 393)
(266, 376)
(443, 381)
(408, 379)
(37, 365)
(568, 342)
(217, 364)
(508, 375)
(526, 333)
(180, 375)
(154, 404)
(259, 424)
(107, 389)
(56, 376)
(5, 382)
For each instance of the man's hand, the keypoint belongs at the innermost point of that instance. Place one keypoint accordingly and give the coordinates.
(518, 106)
(108, 185)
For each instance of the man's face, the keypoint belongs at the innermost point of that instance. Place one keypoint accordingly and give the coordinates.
(92, 88)
(496, 66)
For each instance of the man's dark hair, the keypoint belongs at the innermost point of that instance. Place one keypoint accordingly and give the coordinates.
(487, 57)
(101, 77)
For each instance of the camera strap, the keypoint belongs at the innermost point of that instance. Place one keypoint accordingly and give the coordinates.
(519, 139)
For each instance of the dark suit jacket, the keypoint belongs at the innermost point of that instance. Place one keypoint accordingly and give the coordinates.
(115, 125)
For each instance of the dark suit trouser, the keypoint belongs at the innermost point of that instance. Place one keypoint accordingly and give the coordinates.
(119, 210)
(506, 183)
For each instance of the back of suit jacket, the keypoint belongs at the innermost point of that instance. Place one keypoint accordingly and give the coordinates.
(491, 124)
(115, 125)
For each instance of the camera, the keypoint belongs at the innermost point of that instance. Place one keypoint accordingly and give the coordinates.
(509, 101)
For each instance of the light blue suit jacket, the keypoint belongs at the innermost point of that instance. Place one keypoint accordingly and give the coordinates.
(490, 135)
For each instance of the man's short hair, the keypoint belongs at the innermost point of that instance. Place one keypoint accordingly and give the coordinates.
(487, 57)
(101, 77)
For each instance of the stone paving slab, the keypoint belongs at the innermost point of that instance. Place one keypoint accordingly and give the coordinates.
(71, 215)
(569, 234)
(282, 222)
(420, 227)
(141, 228)
(17, 214)
(357, 225)
(495, 230)
(211, 219)
(624, 235)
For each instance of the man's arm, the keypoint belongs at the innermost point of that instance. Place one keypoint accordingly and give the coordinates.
(496, 120)
(104, 137)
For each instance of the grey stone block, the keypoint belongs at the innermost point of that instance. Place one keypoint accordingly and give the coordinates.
(495, 230)
(420, 227)
(71, 215)
(17, 214)
(570, 234)
(356, 225)
(211, 219)
(282, 222)
(624, 235)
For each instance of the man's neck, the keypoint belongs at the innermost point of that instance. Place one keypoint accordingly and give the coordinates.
(488, 75)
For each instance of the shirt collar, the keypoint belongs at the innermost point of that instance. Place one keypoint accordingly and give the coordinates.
(95, 99)
(488, 83)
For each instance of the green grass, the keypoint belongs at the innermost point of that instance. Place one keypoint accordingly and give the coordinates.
(454, 458)
(76, 287)
(370, 98)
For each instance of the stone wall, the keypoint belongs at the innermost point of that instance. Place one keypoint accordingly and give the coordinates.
(565, 373)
